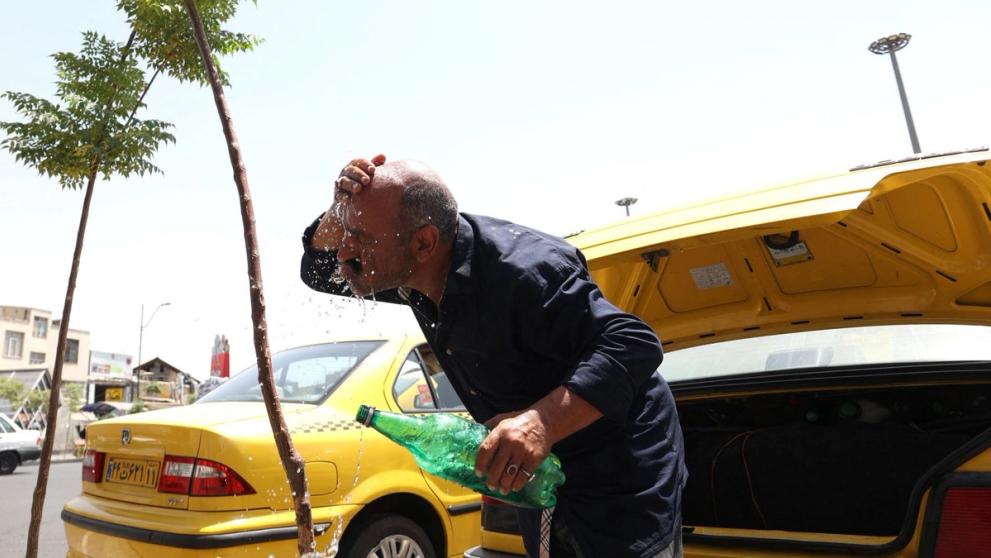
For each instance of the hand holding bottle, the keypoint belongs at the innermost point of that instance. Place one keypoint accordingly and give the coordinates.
(514, 448)
(522, 439)
(447, 446)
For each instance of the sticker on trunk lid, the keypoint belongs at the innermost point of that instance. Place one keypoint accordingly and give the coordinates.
(791, 255)
(711, 276)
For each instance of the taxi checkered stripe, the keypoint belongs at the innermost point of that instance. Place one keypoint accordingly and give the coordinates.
(331, 425)
(339, 424)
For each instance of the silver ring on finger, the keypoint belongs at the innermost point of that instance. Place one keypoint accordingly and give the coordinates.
(512, 470)
(526, 474)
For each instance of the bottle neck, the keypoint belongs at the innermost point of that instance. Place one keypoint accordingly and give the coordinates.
(384, 421)
(365, 414)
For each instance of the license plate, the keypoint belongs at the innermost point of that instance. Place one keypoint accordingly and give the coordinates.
(135, 473)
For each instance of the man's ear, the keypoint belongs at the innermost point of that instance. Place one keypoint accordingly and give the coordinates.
(425, 242)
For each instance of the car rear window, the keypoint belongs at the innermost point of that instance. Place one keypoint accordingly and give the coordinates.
(830, 347)
(302, 375)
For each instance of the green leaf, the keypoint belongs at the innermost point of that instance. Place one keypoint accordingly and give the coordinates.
(91, 129)
(164, 36)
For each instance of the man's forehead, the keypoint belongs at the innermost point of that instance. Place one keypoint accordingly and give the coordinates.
(371, 207)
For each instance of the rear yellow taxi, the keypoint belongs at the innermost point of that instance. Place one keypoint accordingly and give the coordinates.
(829, 349)
(206, 480)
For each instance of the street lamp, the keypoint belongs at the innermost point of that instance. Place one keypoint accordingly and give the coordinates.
(626, 203)
(890, 45)
(141, 333)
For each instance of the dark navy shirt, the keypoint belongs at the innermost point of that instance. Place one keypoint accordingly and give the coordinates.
(520, 316)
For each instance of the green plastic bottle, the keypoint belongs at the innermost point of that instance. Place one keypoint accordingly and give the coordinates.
(446, 445)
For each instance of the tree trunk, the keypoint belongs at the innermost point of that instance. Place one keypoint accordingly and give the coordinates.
(51, 417)
(38, 504)
(291, 460)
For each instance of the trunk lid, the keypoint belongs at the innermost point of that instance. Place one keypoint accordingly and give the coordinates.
(134, 447)
(899, 243)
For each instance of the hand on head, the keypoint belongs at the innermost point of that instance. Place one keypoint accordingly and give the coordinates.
(356, 175)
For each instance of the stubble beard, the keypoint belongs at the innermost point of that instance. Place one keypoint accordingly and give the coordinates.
(368, 283)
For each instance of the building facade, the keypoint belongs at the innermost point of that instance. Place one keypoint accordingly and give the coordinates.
(30, 337)
(162, 385)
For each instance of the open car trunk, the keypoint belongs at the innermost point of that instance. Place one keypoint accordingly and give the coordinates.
(845, 451)
(800, 298)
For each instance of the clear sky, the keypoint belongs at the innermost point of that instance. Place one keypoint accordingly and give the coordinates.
(543, 113)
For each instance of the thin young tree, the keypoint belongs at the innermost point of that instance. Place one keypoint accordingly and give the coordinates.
(291, 459)
(93, 131)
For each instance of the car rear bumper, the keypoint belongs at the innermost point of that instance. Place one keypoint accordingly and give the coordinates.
(83, 543)
(479, 552)
(101, 527)
(181, 540)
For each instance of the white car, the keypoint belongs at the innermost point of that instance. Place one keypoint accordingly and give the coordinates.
(16, 445)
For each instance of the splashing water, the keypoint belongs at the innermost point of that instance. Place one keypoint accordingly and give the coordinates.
(335, 540)
(361, 450)
(336, 277)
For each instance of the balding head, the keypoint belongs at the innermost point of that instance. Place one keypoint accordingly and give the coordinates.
(424, 198)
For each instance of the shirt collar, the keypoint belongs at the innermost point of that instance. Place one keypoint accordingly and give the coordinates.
(459, 276)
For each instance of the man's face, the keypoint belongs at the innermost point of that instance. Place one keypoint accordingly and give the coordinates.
(375, 254)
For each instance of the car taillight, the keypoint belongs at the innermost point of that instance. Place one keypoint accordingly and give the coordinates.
(216, 479)
(200, 477)
(965, 523)
(177, 474)
(93, 466)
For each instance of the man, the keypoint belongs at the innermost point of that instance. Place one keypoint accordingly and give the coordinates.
(531, 346)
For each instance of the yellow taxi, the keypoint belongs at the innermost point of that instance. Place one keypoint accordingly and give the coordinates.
(206, 480)
(829, 349)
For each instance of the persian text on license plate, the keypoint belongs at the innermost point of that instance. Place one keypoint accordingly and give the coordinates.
(129, 471)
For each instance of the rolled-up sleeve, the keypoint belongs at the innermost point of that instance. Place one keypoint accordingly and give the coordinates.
(611, 352)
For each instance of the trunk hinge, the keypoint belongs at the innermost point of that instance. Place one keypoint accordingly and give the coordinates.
(654, 256)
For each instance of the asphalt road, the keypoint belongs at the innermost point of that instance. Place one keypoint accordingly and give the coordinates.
(16, 492)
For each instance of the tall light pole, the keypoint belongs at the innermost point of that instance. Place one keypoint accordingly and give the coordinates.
(141, 333)
(890, 45)
(626, 203)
